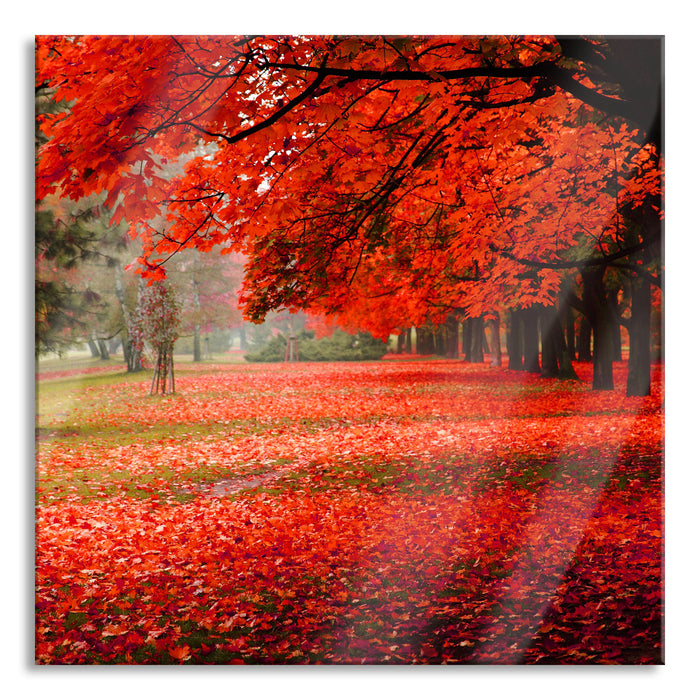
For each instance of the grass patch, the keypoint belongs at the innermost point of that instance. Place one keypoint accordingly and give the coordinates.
(115, 434)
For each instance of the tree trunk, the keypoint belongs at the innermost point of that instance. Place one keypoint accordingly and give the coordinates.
(566, 369)
(242, 338)
(570, 333)
(531, 341)
(126, 349)
(484, 338)
(561, 346)
(104, 350)
(409, 345)
(425, 341)
(94, 349)
(132, 357)
(514, 341)
(163, 381)
(429, 341)
(598, 311)
(639, 365)
(550, 326)
(452, 331)
(399, 343)
(615, 327)
(467, 339)
(439, 340)
(420, 341)
(495, 326)
(584, 340)
(477, 347)
(197, 341)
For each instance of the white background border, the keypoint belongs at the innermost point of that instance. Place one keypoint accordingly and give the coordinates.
(673, 20)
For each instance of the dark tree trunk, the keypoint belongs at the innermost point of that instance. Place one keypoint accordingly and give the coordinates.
(399, 343)
(104, 350)
(439, 340)
(584, 340)
(570, 333)
(615, 327)
(467, 339)
(639, 365)
(558, 342)
(197, 342)
(429, 341)
(94, 350)
(425, 341)
(495, 326)
(409, 344)
(514, 340)
(477, 347)
(640, 325)
(531, 341)
(566, 369)
(132, 358)
(126, 349)
(420, 343)
(556, 361)
(598, 312)
(550, 330)
(452, 333)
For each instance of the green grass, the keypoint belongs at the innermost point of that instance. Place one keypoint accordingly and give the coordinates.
(71, 433)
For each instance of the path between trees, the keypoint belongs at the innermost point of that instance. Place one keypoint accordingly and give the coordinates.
(226, 487)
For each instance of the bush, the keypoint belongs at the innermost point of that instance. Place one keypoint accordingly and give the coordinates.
(340, 347)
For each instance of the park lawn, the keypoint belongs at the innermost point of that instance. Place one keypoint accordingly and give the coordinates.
(426, 511)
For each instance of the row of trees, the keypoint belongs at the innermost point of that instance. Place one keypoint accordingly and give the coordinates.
(385, 182)
(535, 341)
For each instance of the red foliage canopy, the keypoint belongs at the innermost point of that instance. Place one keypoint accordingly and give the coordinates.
(447, 172)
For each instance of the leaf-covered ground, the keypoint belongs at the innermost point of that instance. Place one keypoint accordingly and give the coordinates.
(390, 512)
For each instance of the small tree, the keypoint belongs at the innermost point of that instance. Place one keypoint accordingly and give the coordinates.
(160, 316)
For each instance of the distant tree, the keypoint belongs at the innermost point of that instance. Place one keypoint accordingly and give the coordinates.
(65, 307)
(208, 284)
(159, 315)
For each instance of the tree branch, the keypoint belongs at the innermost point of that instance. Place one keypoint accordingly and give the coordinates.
(276, 116)
(549, 71)
(588, 262)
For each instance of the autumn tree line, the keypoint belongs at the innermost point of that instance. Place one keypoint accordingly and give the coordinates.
(537, 339)
(470, 184)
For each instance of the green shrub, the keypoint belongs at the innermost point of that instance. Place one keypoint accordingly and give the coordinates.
(340, 347)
